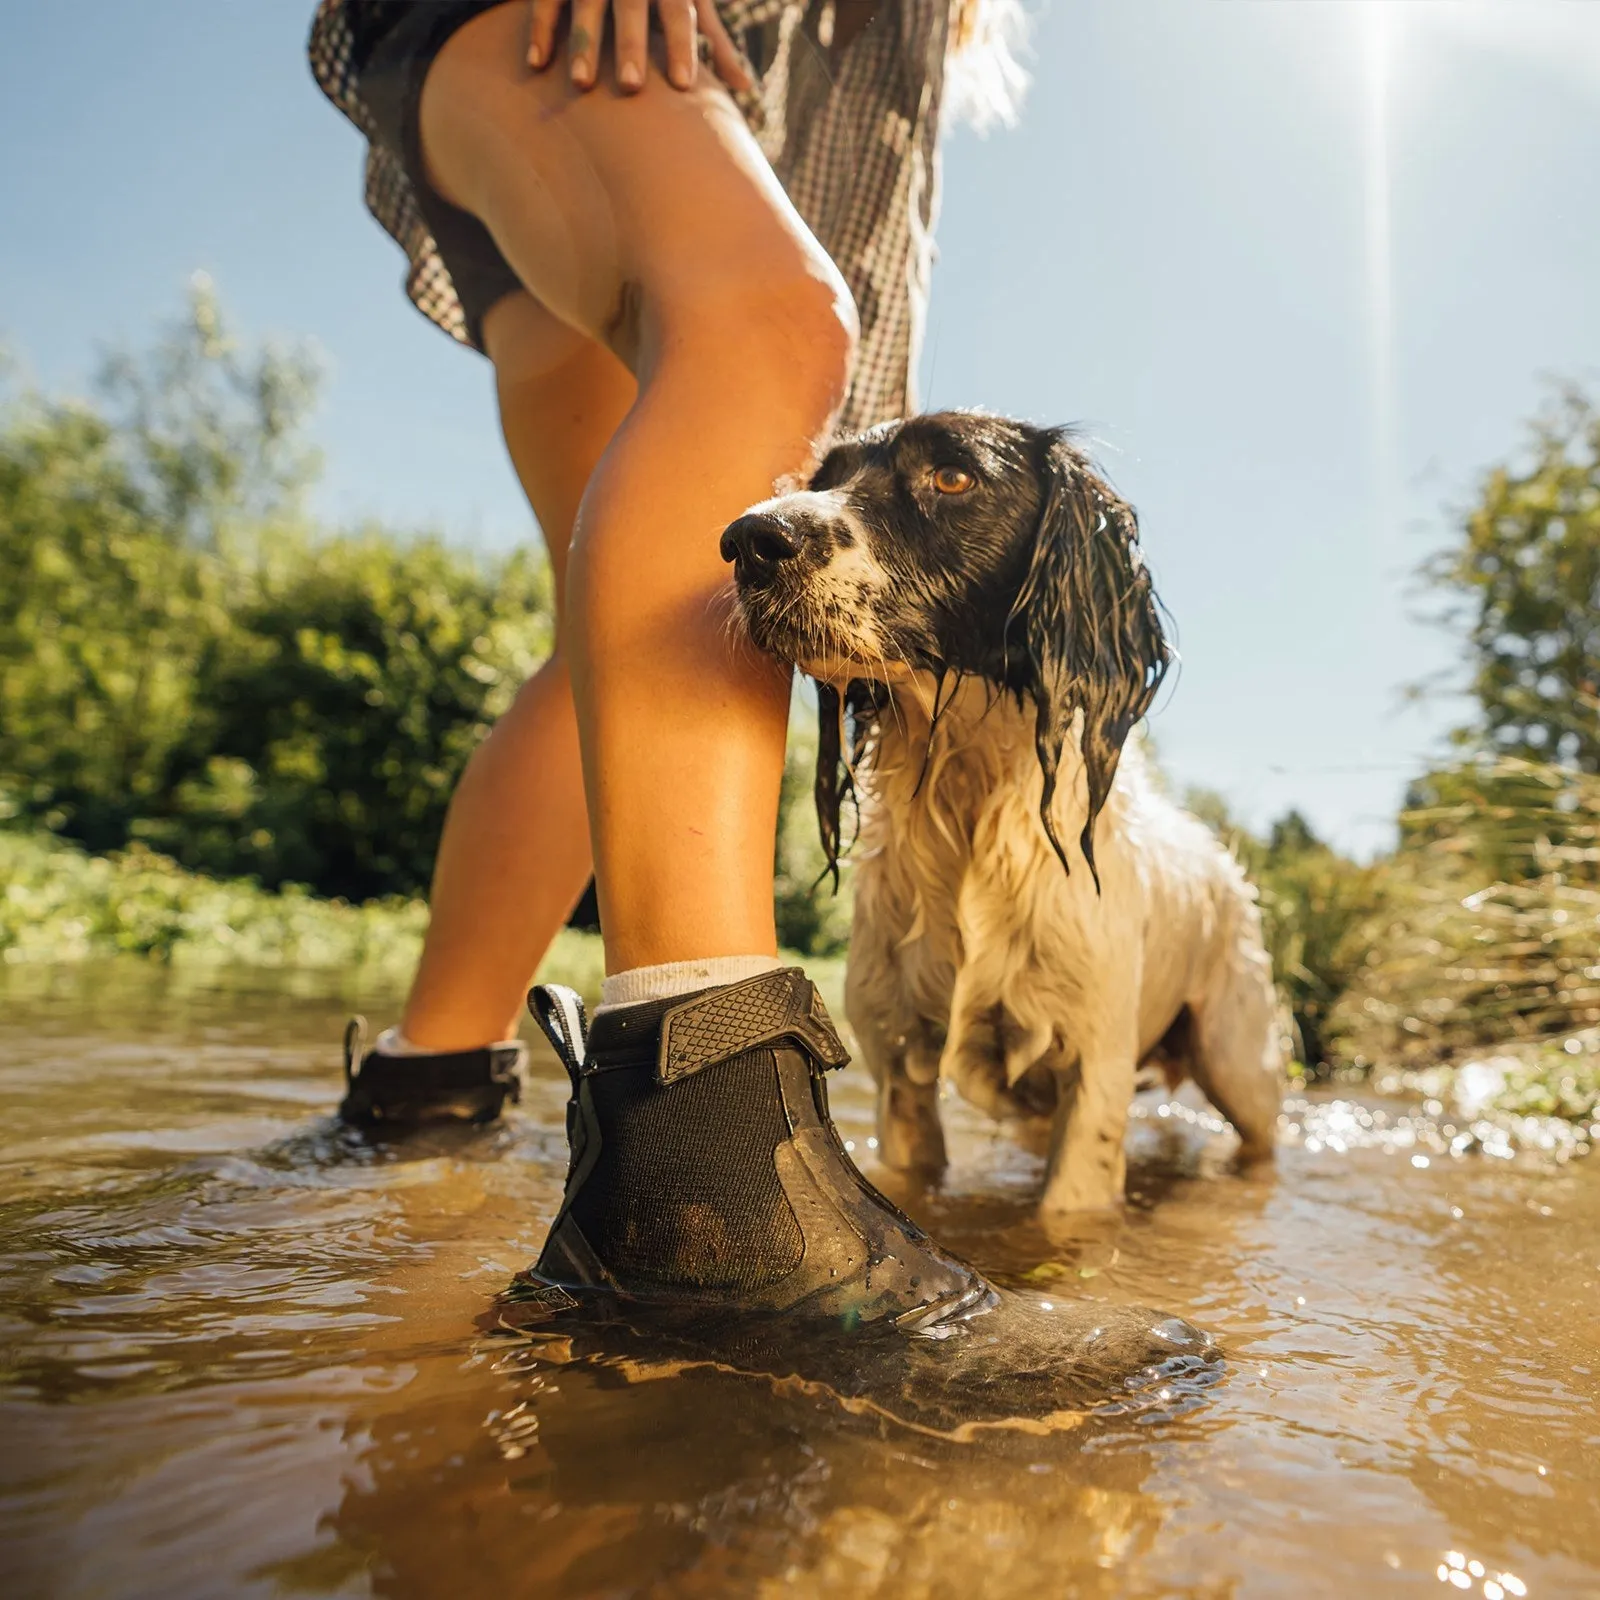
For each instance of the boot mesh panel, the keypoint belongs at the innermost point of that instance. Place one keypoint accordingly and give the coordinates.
(685, 1191)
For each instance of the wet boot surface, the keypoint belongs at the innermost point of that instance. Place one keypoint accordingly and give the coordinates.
(714, 1219)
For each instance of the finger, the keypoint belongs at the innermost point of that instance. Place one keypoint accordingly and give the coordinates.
(726, 57)
(677, 23)
(630, 22)
(583, 42)
(542, 18)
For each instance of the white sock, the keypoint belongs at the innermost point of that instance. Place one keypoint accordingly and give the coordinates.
(392, 1042)
(679, 977)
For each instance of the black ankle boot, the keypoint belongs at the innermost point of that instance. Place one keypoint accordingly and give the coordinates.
(706, 1170)
(706, 1179)
(394, 1093)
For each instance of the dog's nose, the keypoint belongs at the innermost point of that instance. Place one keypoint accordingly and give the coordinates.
(757, 544)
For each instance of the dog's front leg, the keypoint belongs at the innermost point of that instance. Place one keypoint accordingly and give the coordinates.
(1088, 1167)
(897, 1054)
(910, 1134)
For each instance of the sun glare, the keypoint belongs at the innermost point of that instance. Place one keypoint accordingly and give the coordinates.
(1380, 23)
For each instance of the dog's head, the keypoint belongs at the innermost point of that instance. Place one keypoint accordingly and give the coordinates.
(959, 544)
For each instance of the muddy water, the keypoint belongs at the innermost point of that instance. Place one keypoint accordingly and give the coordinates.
(239, 1357)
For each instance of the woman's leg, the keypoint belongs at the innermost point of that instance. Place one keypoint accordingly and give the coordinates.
(654, 223)
(515, 852)
(708, 1164)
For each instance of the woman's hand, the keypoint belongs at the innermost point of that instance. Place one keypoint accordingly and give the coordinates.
(681, 22)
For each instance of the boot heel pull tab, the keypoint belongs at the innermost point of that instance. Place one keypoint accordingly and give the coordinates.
(781, 1007)
(559, 1012)
(355, 1047)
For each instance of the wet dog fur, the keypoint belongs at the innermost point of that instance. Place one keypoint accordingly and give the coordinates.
(1034, 919)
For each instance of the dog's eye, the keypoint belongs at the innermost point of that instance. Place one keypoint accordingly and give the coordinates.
(952, 480)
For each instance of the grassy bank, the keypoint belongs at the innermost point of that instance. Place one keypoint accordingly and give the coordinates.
(60, 904)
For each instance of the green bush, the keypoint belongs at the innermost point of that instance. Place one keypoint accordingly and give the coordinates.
(340, 708)
(1316, 906)
(185, 663)
(1489, 933)
(1480, 932)
(1507, 820)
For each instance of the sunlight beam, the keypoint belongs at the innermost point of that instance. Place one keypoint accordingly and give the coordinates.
(1379, 22)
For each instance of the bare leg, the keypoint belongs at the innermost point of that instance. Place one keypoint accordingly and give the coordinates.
(654, 223)
(515, 852)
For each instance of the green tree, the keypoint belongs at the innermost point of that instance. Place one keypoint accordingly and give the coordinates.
(184, 661)
(1316, 908)
(212, 433)
(104, 617)
(1524, 584)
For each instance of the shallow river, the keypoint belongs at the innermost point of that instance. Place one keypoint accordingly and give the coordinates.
(239, 1356)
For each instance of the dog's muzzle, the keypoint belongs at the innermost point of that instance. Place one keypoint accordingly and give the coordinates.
(758, 544)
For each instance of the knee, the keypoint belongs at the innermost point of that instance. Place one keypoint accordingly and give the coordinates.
(790, 339)
(821, 314)
(806, 330)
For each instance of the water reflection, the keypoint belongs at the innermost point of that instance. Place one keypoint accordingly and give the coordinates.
(582, 1483)
(240, 1357)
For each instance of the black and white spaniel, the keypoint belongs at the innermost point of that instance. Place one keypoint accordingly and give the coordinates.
(1034, 919)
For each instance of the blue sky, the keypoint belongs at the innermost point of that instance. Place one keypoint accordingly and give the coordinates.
(1175, 247)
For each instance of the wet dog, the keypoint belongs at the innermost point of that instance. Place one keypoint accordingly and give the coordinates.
(1034, 920)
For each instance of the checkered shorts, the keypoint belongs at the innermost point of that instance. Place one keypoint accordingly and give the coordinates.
(854, 143)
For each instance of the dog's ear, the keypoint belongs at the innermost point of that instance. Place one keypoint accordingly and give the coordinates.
(844, 723)
(1089, 627)
(833, 776)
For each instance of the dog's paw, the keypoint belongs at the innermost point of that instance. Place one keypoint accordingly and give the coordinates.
(1253, 1153)
(1079, 1224)
(910, 1135)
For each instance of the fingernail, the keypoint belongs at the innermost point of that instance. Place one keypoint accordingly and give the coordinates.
(629, 75)
(582, 74)
(682, 75)
(535, 55)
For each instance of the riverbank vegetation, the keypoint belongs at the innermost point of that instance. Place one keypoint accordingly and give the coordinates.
(227, 733)
(1478, 936)
(61, 904)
